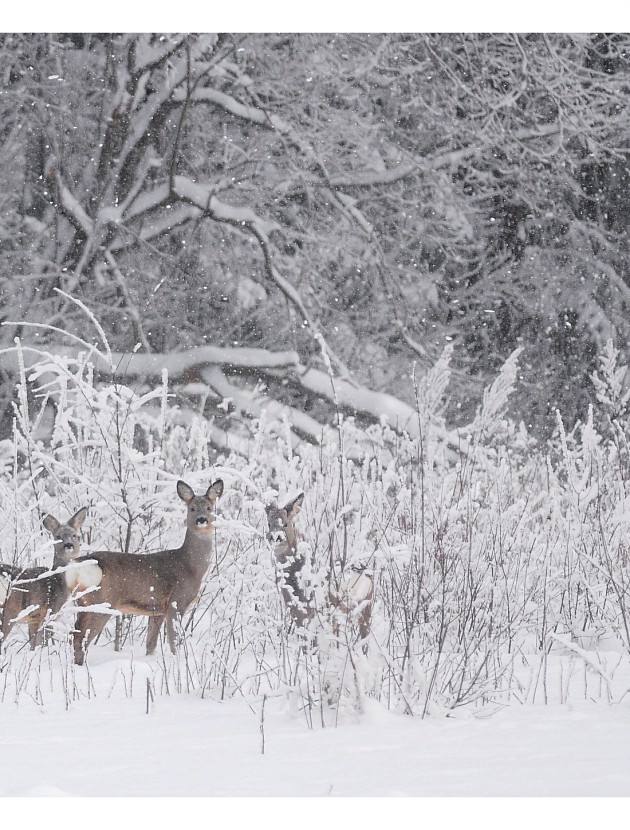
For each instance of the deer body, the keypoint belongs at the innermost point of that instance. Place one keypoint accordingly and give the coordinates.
(350, 596)
(161, 586)
(31, 596)
(289, 563)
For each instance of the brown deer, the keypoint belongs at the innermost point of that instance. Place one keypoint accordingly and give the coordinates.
(161, 586)
(351, 595)
(36, 593)
(289, 563)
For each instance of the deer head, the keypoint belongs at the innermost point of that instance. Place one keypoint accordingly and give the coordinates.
(66, 536)
(280, 521)
(200, 508)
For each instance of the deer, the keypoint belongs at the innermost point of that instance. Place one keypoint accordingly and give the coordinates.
(161, 585)
(350, 593)
(36, 593)
(289, 563)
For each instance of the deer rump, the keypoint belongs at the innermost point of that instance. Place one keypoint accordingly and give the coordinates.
(44, 593)
(150, 584)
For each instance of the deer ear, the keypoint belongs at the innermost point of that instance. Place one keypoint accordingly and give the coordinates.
(51, 524)
(293, 507)
(185, 492)
(79, 517)
(215, 490)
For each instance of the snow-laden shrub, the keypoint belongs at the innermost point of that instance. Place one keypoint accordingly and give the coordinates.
(496, 561)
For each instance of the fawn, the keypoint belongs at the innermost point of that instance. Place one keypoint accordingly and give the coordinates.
(36, 593)
(161, 586)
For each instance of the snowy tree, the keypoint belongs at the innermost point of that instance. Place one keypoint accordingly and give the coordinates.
(389, 193)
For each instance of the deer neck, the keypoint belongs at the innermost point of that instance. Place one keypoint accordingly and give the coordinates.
(60, 560)
(285, 550)
(197, 548)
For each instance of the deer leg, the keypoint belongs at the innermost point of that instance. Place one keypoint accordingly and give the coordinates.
(365, 626)
(34, 633)
(87, 627)
(336, 630)
(153, 631)
(118, 635)
(6, 628)
(171, 615)
(170, 630)
(7, 624)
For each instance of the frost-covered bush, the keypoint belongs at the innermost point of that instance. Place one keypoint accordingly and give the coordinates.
(500, 565)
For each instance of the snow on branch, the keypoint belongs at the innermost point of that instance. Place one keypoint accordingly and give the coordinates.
(253, 404)
(150, 57)
(207, 364)
(202, 196)
(226, 102)
(73, 209)
(154, 228)
(179, 365)
(378, 405)
(144, 119)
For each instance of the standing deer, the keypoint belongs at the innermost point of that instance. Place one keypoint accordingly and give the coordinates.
(350, 594)
(289, 563)
(161, 586)
(36, 593)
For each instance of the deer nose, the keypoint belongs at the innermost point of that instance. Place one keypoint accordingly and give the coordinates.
(201, 520)
(276, 536)
(68, 546)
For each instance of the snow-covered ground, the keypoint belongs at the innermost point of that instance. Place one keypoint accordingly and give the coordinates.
(518, 586)
(107, 745)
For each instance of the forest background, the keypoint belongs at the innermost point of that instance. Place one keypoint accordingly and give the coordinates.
(377, 196)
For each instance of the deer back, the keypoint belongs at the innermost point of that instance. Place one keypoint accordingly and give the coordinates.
(149, 583)
(351, 590)
(351, 596)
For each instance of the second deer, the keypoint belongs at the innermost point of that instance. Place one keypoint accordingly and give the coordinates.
(350, 592)
(289, 562)
(161, 586)
(35, 593)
